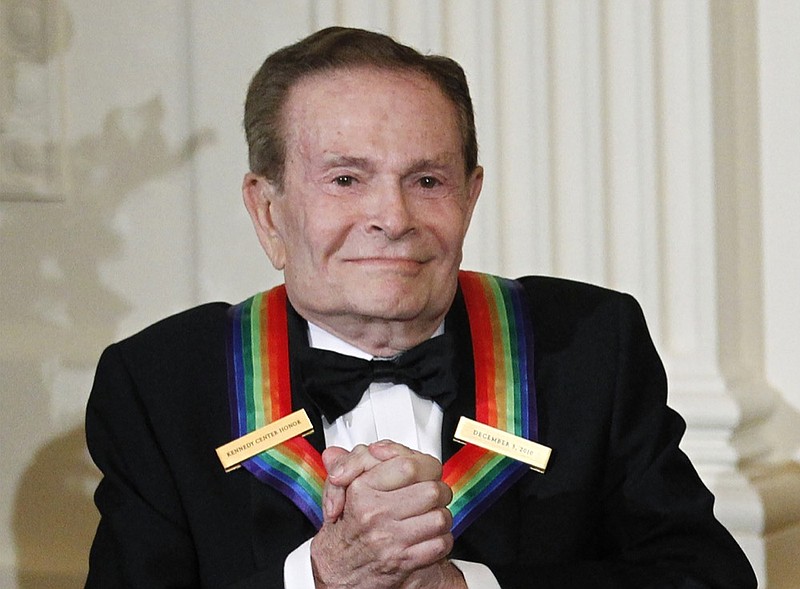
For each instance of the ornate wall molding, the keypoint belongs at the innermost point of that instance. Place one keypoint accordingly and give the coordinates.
(33, 154)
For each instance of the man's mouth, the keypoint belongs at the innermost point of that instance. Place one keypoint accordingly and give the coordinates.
(390, 262)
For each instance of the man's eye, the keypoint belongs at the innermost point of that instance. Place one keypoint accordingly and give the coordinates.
(344, 181)
(428, 182)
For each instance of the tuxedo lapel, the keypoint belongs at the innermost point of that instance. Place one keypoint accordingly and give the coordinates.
(457, 323)
(278, 526)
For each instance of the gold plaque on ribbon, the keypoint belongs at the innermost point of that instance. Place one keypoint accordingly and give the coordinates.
(232, 454)
(496, 440)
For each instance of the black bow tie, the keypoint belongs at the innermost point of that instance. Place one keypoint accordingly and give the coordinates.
(336, 382)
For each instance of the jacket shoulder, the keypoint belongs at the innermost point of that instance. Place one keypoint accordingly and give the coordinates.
(577, 315)
(553, 290)
(195, 321)
(191, 336)
(559, 298)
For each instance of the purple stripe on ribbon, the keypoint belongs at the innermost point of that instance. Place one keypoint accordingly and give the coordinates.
(287, 486)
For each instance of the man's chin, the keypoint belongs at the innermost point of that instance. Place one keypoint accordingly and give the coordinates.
(388, 308)
(388, 298)
(382, 297)
(398, 299)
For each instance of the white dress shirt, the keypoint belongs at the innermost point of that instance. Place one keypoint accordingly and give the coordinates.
(386, 411)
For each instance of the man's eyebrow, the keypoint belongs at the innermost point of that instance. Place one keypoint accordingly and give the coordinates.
(442, 160)
(437, 162)
(335, 160)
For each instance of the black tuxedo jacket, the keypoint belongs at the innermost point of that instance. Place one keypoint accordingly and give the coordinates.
(619, 506)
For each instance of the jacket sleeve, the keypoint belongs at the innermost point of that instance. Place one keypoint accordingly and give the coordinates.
(143, 538)
(656, 527)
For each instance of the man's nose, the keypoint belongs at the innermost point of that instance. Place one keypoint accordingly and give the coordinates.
(390, 211)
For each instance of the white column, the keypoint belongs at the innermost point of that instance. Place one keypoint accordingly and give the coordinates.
(631, 144)
(471, 38)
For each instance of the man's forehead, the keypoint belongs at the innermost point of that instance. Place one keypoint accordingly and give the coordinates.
(367, 92)
(354, 87)
(374, 118)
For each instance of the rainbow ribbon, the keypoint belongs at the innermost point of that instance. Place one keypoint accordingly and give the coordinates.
(260, 393)
(502, 348)
(258, 350)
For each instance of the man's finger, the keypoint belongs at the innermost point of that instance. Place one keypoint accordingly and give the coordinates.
(333, 496)
(402, 471)
(344, 467)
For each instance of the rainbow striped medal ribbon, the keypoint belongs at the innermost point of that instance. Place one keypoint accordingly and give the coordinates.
(260, 394)
(505, 399)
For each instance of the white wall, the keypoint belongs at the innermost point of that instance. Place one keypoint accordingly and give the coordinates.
(650, 146)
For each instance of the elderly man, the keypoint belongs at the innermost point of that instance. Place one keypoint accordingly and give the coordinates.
(363, 179)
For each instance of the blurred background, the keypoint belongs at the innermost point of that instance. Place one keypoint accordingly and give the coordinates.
(652, 146)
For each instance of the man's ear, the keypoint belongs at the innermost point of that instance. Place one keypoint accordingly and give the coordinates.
(260, 196)
(474, 185)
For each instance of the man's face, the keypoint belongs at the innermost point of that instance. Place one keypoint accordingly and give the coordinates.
(370, 224)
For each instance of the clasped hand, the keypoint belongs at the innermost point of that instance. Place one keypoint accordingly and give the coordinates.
(386, 522)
